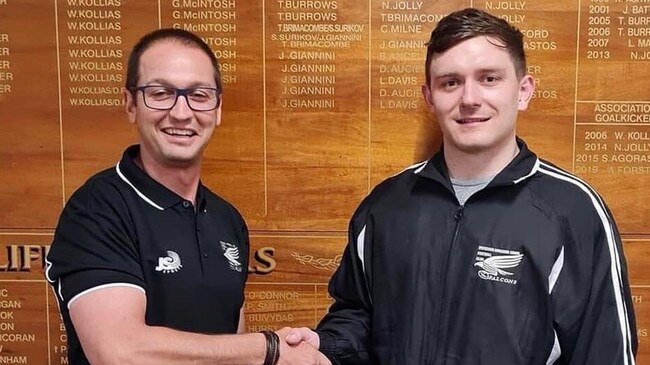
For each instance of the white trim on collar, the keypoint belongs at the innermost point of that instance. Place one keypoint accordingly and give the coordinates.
(531, 173)
(140, 194)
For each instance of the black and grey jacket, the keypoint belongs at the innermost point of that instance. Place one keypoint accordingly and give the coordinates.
(529, 271)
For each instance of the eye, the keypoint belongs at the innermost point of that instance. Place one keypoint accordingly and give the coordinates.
(160, 93)
(491, 79)
(198, 95)
(202, 94)
(449, 84)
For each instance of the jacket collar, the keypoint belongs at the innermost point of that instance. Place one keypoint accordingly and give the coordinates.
(148, 189)
(523, 166)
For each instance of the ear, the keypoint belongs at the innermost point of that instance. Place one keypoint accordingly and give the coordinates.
(129, 104)
(218, 112)
(526, 89)
(218, 116)
(428, 97)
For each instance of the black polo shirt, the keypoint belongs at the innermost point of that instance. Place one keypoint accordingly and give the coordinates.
(122, 228)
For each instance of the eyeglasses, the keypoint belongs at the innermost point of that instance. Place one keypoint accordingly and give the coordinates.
(199, 99)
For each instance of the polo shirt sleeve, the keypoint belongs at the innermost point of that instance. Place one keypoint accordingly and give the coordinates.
(94, 244)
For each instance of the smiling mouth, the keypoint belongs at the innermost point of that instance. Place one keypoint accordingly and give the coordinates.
(175, 132)
(471, 120)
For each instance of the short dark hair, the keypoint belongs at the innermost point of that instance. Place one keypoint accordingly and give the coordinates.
(469, 23)
(178, 35)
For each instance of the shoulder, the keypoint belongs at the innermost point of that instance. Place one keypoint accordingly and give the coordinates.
(392, 191)
(569, 195)
(103, 188)
(104, 203)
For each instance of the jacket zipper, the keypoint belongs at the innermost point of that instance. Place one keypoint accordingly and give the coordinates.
(458, 216)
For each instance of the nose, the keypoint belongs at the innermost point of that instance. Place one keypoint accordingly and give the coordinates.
(181, 109)
(471, 96)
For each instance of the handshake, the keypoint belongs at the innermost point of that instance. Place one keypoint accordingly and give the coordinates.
(293, 346)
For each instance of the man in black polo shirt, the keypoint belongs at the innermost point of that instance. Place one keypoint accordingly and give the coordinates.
(148, 264)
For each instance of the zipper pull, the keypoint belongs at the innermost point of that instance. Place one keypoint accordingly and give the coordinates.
(459, 214)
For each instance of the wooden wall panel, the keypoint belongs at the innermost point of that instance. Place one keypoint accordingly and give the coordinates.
(30, 152)
(320, 104)
(93, 43)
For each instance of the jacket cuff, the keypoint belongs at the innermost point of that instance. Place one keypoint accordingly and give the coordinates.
(328, 346)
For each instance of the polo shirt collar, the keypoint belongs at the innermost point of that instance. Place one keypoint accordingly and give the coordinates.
(148, 189)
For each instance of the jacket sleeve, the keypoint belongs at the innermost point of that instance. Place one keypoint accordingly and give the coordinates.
(593, 313)
(345, 331)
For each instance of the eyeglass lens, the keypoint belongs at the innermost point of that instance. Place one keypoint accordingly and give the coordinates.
(164, 98)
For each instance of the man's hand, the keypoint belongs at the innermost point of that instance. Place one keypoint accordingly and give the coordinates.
(295, 336)
(302, 350)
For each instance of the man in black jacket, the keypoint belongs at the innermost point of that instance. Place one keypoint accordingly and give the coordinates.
(485, 254)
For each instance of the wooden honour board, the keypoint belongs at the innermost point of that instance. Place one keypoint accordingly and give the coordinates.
(322, 101)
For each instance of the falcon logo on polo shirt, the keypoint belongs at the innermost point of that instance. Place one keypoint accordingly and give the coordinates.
(231, 253)
(170, 263)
